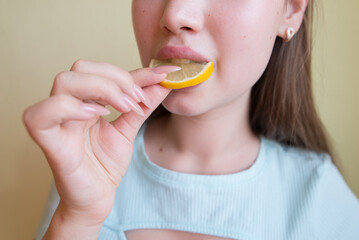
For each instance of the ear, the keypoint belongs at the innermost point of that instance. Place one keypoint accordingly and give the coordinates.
(293, 16)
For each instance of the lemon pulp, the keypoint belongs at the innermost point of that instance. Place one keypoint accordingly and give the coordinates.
(191, 74)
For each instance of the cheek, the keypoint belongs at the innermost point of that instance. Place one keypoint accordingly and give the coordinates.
(245, 43)
(145, 18)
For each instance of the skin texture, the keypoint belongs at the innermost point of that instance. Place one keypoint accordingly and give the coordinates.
(89, 156)
(238, 37)
(210, 27)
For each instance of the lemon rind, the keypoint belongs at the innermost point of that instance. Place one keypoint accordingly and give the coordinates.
(199, 78)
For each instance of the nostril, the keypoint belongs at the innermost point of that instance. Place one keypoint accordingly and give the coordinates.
(168, 30)
(186, 28)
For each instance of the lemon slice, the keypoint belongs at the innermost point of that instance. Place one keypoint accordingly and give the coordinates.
(191, 74)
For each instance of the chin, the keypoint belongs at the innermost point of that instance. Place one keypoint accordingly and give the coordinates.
(184, 106)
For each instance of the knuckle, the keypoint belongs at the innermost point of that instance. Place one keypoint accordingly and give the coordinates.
(79, 65)
(61, 78)
(60, 82)
(138, 74)
(30, 116)
(118, 70)
(116, 93)
(26, 117)
(134, 73)
(126, 81)
(112, 90)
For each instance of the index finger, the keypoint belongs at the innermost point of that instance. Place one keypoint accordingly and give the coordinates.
(144, 77)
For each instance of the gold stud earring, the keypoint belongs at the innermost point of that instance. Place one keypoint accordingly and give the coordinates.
(289, 33)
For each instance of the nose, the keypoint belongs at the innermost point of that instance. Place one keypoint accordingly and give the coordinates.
(182, 16)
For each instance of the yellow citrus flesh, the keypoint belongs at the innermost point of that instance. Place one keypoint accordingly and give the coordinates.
(191, 74)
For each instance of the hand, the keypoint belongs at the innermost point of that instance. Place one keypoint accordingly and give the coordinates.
(88, 155)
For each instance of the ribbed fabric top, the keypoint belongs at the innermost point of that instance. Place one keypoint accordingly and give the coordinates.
(288, 193)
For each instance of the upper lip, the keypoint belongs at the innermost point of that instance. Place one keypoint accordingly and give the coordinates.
(180, 52)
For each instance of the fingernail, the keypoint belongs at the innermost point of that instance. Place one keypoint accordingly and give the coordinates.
(98, 110)
(134, 106)
(165, 69)
(141, 95)
(135, 96)
(87, 108)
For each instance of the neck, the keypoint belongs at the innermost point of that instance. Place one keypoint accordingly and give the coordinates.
(218, 139)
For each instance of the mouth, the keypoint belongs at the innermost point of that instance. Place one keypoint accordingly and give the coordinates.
(191, 73)
(180, 55)
(181, 61)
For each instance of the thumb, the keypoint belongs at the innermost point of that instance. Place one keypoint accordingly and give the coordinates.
(128, 124)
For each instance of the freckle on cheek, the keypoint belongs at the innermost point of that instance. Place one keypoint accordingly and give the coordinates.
(244, 36)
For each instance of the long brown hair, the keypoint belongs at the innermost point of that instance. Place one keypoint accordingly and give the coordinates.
(282, 105)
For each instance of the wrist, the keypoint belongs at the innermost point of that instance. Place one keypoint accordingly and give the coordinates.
(66, 224)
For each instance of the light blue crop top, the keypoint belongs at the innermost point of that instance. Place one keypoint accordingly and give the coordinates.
(287, 194)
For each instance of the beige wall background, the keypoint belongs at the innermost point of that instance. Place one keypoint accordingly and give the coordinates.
(40, 38)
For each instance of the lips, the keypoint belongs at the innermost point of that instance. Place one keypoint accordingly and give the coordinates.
(180, 52)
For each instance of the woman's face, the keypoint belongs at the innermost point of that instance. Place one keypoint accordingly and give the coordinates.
(237, 35)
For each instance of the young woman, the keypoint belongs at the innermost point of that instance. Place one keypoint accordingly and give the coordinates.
(240, 156)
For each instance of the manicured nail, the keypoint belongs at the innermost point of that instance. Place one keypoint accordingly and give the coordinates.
(133, 105)
(165, 69)
(135, 96)
(98, 110)
(141, 95)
